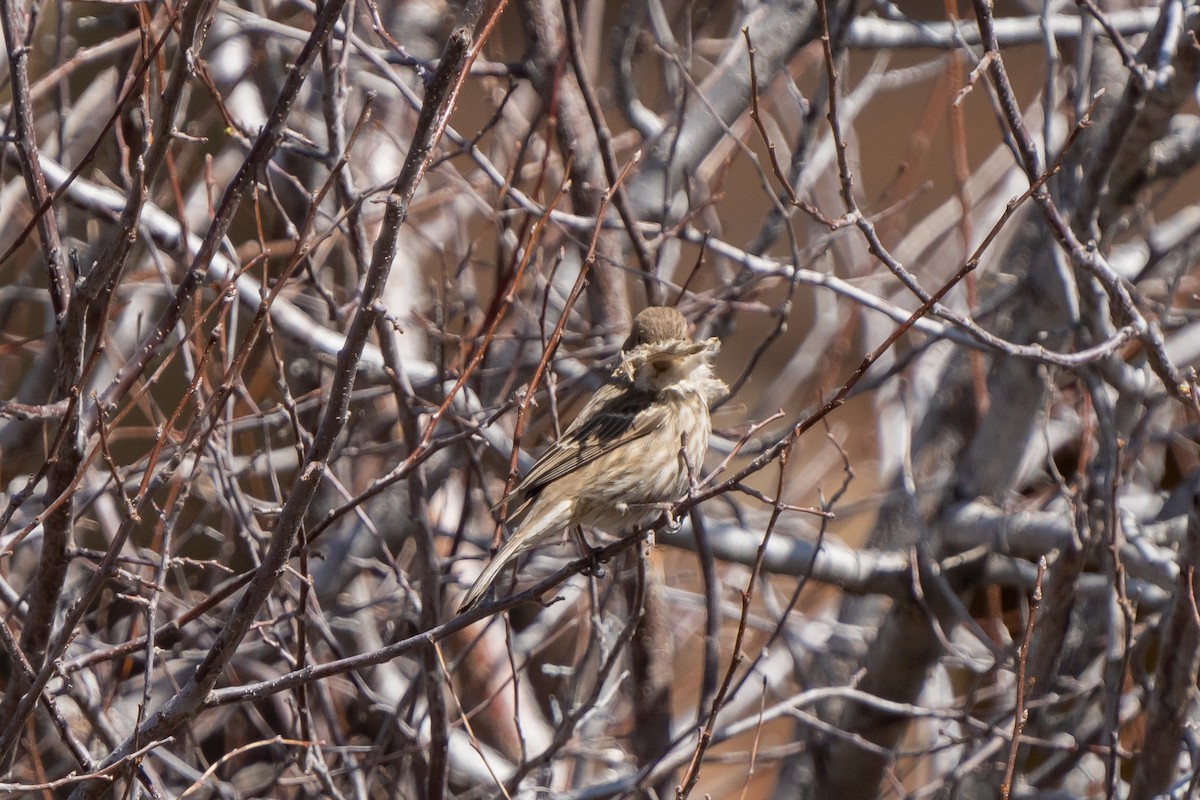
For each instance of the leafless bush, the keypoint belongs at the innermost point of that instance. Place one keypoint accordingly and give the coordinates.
(292, 292)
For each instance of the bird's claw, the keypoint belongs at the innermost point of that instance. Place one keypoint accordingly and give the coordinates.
(596, 567)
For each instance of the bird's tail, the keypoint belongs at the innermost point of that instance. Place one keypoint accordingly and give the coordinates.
(535, 530)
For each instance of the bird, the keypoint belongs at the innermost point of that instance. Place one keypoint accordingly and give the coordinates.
(630, 452)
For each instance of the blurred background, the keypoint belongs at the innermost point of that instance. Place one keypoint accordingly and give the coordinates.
(275, 341)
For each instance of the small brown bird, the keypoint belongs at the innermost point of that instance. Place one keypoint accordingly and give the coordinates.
(622, 458)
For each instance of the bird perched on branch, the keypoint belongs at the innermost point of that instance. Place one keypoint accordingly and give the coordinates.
(631, 450)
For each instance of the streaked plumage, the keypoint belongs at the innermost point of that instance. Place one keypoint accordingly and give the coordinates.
(620, 459)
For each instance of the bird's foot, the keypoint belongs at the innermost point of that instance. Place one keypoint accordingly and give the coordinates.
(596, 567)
(589, 552)
(674, 523)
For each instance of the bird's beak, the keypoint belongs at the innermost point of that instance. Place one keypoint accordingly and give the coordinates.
(681, 351)
(674, 351)
(685, 349)
(666, 352)
(709, 347)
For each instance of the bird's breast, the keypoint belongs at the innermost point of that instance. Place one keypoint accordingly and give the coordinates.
(640, 476)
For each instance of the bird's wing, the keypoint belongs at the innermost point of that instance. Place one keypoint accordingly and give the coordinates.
(611, 419)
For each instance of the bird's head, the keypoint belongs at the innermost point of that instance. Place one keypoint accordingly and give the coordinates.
(660, 354)
(654, 325)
